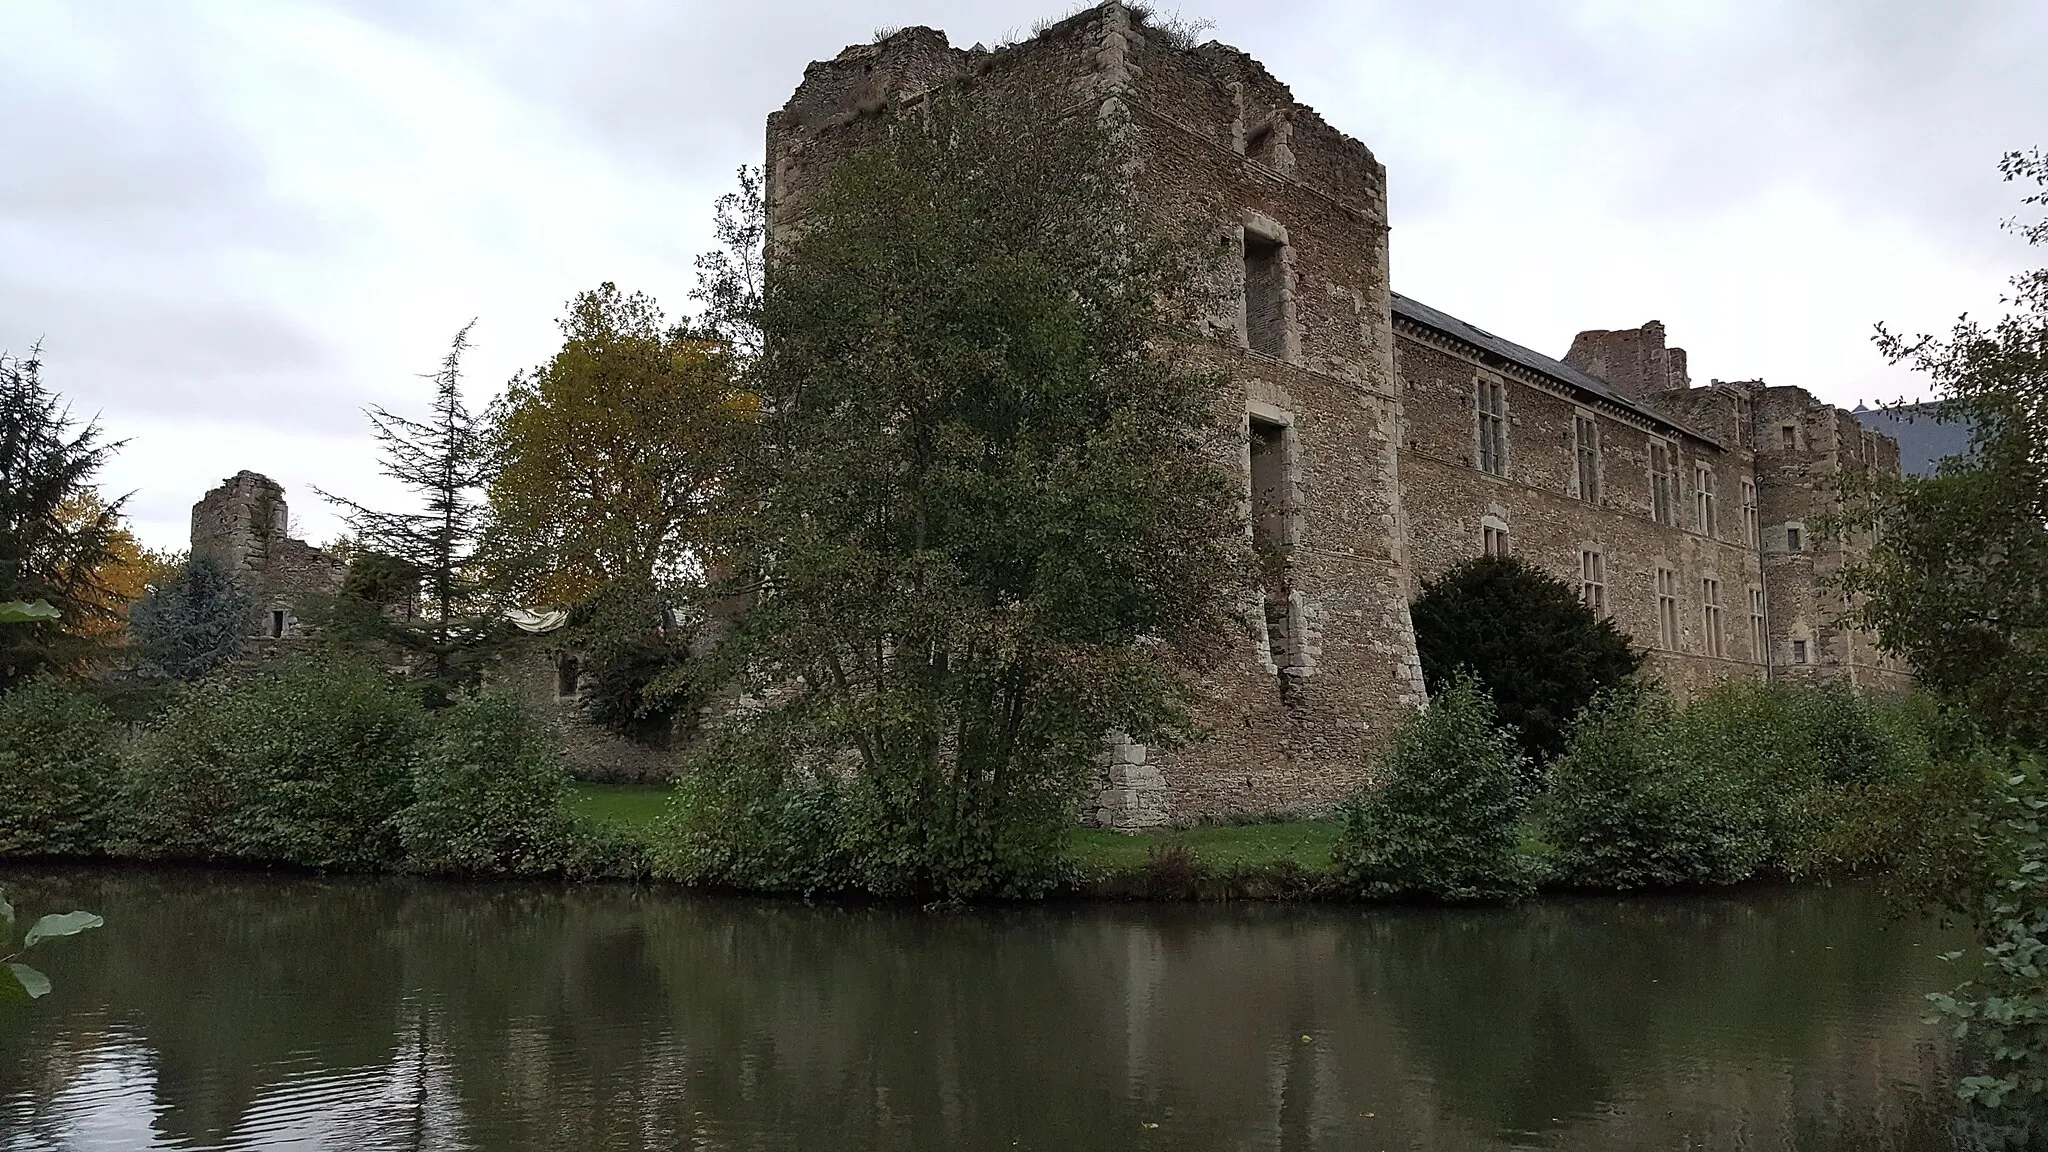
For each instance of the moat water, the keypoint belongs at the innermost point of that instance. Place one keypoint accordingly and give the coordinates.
(238, 1010)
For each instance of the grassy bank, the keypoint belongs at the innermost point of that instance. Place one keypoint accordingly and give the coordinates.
(1179, 863)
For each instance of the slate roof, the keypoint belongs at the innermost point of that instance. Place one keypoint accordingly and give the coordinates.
(1558, 370)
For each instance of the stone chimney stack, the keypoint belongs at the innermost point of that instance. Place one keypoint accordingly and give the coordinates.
(1633, 360)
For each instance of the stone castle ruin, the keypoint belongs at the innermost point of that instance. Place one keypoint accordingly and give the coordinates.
(1383, 441)
(244, 526)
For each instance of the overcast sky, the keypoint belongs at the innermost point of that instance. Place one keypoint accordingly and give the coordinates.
(234, 224)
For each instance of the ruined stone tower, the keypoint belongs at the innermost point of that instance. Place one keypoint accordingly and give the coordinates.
(243, 526)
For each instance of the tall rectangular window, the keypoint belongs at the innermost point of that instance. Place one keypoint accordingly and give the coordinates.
(1593, 580)
(1756, 624)
(1788, 437)
(1750, 530)
(1793, 541)
(1710, 615)
(1663, 501)
(1271, 505)
(1799, 651)
(1586, 447)
(1265, 289)
(1493, 539)
(1703, 499)
(1667, 609)
(1492, 401)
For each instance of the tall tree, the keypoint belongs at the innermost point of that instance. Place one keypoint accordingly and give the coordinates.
(985, 504)
(1956, 578)
(193, 622)
(445, 461)
(53, 546)
(609, 455)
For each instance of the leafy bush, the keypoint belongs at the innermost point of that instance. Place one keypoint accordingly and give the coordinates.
(309, 764)
(637, 658)
(751, 816)
(194, 623)
(59, 771)
(1628, 809)
(1823, 767)
(2001, 1015)
(490, 794)
(1524, 636)
(1444, 822)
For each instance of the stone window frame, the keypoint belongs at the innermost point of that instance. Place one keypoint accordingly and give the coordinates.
(1795, 536)
(1494, 539)
(1586, 462)
(1593, 577)
(1663, 484)
(1711, 643)
(1759, 639)
(1270, 231)
(1300, 662)
(1788, 436)
(1665, 585)
(1706, 521)
(1802, 649)
(1490, 453)
(280, 622)
(1752, 527)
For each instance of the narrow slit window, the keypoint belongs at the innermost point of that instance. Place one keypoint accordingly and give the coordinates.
(1265, 284)
(1586, 446)
(1271, 505)
(1794, 541)
(1710, 615)
(1667, 609)
(277, 623)
(1493, 426)
(1593, 580)
(1756, 624)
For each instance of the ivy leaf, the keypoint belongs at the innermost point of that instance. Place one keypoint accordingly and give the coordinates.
(60, 924)
(27, 983)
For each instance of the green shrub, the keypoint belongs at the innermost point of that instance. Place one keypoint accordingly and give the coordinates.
(749, 815)
(60, 769)
(1822, 766)
(1444, 822)
(1629, 809)
(308, 764)
(2000, 1015)
(490, 794)
(1525, 637)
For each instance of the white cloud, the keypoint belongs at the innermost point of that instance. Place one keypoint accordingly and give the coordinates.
(236, 222)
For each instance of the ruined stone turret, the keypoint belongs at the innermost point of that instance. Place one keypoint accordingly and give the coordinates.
(243, 526)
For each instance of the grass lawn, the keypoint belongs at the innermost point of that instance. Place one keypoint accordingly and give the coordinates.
(638, 806)
(628, 806)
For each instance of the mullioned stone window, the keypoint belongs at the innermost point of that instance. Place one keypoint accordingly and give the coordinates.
(1710, 616)
(1667, 608)
(1586, 452)
(1663, 484)
(1593, 579)
(1491, 402)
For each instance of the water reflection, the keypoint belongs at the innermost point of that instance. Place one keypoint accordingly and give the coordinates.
(237, 1010)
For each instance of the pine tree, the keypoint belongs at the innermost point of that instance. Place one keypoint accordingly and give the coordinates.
(445, 460)
(48, 550)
